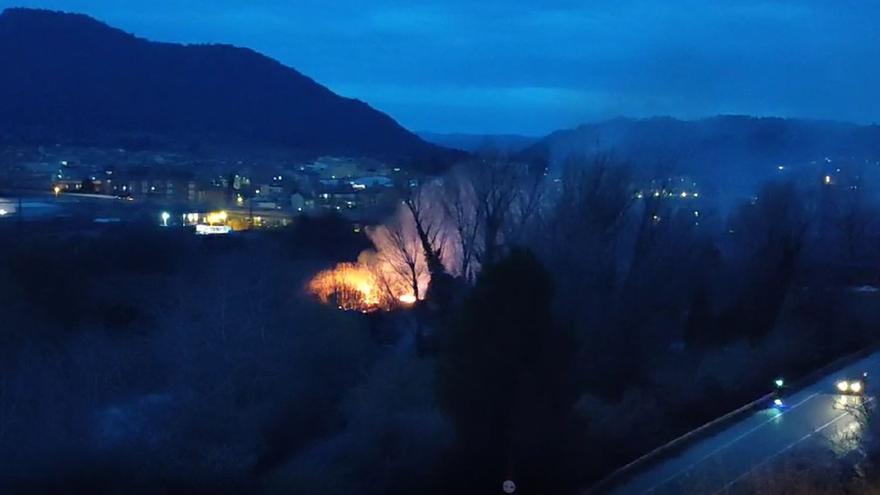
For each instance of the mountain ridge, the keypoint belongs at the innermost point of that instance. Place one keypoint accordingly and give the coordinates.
(733, 154)
(74, 77)
(480, 142)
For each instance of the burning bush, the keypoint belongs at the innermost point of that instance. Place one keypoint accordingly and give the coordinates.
(397, 270)
(350, 286)
(370, 284)
(391, 275)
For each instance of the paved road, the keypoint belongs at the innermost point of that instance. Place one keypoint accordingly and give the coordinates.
(719, 463)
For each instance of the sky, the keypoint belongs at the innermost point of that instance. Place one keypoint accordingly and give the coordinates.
(531, 67)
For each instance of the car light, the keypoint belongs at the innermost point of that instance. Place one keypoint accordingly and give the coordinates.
(855, 387)
(843, 385)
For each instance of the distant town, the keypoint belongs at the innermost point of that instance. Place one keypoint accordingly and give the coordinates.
(182, 190)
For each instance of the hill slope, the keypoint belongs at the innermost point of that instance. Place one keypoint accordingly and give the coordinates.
(479, 142)
(734, 153)
(68, 76)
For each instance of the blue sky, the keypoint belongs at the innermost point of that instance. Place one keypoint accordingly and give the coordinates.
(516, 66)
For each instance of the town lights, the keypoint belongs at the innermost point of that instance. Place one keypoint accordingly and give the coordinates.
(216, 217)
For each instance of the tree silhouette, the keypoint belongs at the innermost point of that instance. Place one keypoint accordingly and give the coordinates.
(505, 379)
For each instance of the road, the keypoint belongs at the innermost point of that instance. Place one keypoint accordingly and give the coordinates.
(719, 463)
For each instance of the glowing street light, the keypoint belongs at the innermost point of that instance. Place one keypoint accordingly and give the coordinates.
(56, 190)
(165, 217)
(216, 217)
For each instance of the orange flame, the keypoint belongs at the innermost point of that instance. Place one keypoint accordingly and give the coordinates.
(391, 275)
(357, 287)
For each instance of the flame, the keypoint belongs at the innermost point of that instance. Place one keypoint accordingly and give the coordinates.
(391, 275)
(366, 286)
(350, 286)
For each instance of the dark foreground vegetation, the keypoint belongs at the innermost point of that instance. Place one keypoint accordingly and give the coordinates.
(592, 322)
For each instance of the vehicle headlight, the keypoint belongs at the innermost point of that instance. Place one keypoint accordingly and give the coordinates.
(855, 387)
(843, 385)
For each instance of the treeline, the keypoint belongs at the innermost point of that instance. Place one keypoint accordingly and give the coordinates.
(569, 326)
(657, 310)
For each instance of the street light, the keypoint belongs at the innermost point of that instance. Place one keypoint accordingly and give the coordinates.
(57, 190)
(165, 217)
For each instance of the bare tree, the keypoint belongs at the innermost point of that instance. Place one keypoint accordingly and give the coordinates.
(587, 224)
(496, 184)
(400, 248)
(854, 216)
(527, 203)
(422, 202)
(769, 236)
(459, 204)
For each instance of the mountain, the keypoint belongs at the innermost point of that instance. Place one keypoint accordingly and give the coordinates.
(70, 77)
(732, 153)
(479, 142)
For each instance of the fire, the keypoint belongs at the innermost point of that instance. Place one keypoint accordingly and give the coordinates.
(351, 287)
(366, 286)
(391, 275)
